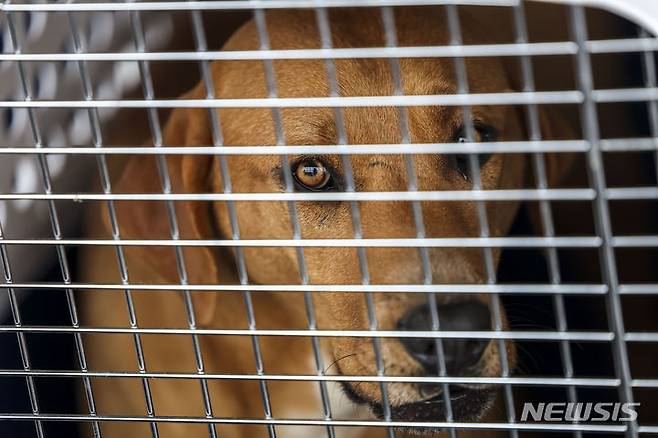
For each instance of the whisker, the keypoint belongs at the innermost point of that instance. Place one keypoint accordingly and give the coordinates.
(338, 360)
(524, 366)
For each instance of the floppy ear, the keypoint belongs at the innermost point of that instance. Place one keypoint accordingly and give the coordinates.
(559, 166)
(556, 124)
(150, 220)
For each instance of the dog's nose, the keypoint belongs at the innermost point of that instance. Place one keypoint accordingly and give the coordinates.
(459, 354)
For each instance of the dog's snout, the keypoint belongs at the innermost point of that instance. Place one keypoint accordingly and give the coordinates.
(459, 354)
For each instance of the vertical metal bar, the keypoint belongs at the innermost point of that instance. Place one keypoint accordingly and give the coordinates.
(97, 139)
(57, 234)
(200, 45)
(239, 255)
(125, 280)
(388, 19)
(22, 345)
(325, 36)
(651, 81)
(243, 276)
(454, 27)
(596, 174)
(174, 230)
(261, 25)
(548, 229)
(218, 141)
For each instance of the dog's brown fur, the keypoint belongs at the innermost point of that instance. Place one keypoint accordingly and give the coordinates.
(270, 220)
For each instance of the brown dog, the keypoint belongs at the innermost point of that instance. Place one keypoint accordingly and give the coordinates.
(224, 354)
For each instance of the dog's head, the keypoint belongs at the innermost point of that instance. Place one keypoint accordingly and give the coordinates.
(329, 220)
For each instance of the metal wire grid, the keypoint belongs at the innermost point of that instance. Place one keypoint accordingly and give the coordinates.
(598, 193)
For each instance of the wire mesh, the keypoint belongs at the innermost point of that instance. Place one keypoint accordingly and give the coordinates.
(481, 241)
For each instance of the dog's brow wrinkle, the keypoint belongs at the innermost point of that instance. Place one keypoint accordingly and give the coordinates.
(318, 132)
(379, 163)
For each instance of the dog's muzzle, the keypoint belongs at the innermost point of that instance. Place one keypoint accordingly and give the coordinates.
(460, 356)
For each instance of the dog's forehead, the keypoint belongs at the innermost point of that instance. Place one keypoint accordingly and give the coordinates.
(304, 78)
(364, 27)
(361, 28)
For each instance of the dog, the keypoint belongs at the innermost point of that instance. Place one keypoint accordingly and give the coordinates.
(208, 265)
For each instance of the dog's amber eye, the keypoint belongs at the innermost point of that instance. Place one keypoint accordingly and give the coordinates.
(312, 174)
(461, 163)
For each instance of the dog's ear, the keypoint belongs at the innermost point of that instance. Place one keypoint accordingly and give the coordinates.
(150, 219)
(557, 125)
(556, 122)
(559, 166)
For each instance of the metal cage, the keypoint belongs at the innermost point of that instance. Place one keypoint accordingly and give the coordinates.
(76, 95)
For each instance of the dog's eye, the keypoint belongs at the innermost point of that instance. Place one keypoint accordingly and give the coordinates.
(483, 133)
(312, 174)
(460, 163)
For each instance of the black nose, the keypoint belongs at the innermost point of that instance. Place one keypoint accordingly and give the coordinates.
(459, 354)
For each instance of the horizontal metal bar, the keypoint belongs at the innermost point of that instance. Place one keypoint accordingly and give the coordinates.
(474, 50)
(607, 145)
(355, 149)
(642, 337)
(585, 427)
(582, 194)
(444, 334)
(629, 144)
(638, 289)
(229, 5)
(635, 241)
(522, 289)
(508, 98)
(621, 45)
(585, 194)
(647, 429)
(552, 48)
(625, 95)
(436, 242)
(455, 380)
(622, 193)
(644, 383)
